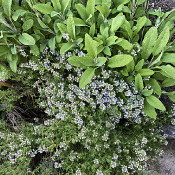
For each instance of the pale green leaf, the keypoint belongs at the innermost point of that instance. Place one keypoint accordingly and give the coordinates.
(92, 30)
(107, 51)
(81, 11)
(149, 110)
(140, 23)
(62, 27)
(138, 82)
(26, 39)
(90, 7)
(117, 23)
(149, 42)
(145, 72)
(169, 70)
(65, 47)
(168, 82)
(161, 41)
(13, 63)
(18, 13)
(71, 26)
(139, 65)
(119, 60)
(101, 61)
(155, 86)
(56, 5)
(79, 22)
(155, 102)
(27, 24)
(147, 92)
(91, 46)
(44, 8)
(52, 44)
(111, 40)
(168, 58)
(86, 77)
(125, 44)
(66, 4)
(7, 4)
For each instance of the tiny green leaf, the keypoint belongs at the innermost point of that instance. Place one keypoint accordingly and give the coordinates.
(119, 60)
(86, 77)
(101, 61)
(18, 13)
(13, 63)
(139, 65)
(26, 39)
(62, 27)
(56, 5)
(147, 92)
(155, 102)
(155, 86)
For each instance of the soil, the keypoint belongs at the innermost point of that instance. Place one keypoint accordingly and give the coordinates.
(165, 164)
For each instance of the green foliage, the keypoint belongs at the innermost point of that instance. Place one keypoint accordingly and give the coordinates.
(101, 62)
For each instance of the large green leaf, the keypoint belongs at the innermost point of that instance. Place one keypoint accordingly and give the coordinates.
(44, 8)
(26, 39)
(149, 42)
(81, 61)
(119, 60)
(168, 70)
(86, 77)
(155, 86)
(52, 44)
(145, 72)
(140, 23)
(71, 26)
(18, 13)
(81, 11)
(149, 110)
(65, 5)
(65, 47)
(124, 43)
(7, 4)
(155, 102)
(161, 41)
(117, 23)
(138, 82)
(56, 5)
(13, 63)
(90, 7)
(91, 46)
(27, 24)
(168, 58)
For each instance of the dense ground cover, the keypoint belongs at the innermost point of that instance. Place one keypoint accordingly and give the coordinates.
(84, 81)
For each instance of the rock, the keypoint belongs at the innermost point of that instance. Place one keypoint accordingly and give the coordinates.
(169, 132)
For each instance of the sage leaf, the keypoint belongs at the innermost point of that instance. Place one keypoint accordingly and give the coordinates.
(52, 44)
(168, 82)
(91, 46)
(92, 30)
(101, 61)
(147, 92)
(81, 61)
(149, 42)
(26, 39)
(145, 72)
(140, 23)
(71, 26)
(138, 82)
(27, 24)
(107, 51)
(124, 43)
(168, 58)
(119, 60)
(81, 11)
(17, 14)
(169, 70)
(155, 86)
(62, 27)
(44, 8)
(117, 23)
(13, 63)
(65, 5)
(56, 5)
(65, 47)
(79, 22)
(139, 65)
(86, 77)
(111, 40)
(155, 102)
(149, 110)
(7, 4)
(161, 41)
(90, 7)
